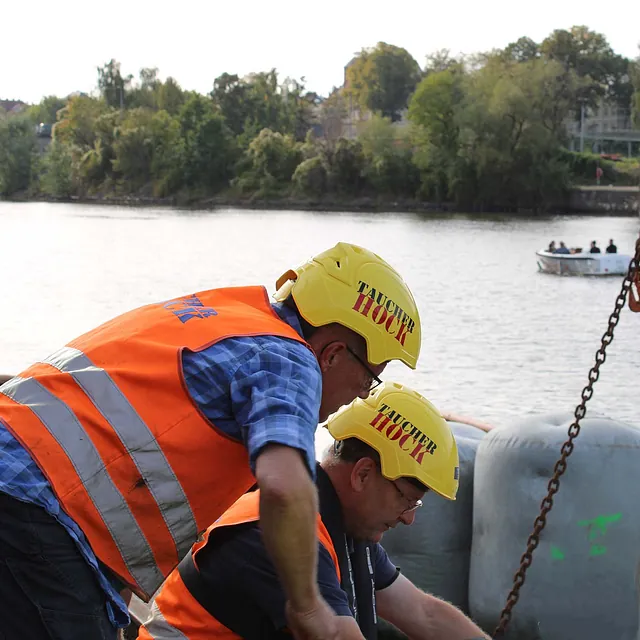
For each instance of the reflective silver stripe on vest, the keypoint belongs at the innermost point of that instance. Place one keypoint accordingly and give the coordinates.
(65, 427)
(138, 440)
(159, 629)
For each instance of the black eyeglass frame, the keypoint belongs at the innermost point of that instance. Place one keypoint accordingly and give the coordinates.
(418, 503)
(375, 381)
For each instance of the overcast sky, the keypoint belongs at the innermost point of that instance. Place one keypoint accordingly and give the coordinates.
(54, 48)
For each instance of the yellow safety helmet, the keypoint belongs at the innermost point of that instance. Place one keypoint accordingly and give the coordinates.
(356, 288)
(412, 438)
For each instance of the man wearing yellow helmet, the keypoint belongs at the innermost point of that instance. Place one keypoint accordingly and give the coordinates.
(389, 450)
(117, 450)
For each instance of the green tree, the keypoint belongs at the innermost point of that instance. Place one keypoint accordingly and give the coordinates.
(170, 97)
(382, 79)
(59, 171)
(46, 111)
(209, 147)
(590, 56)
(259, 101)
(433, 107)
(17, 153)
(267, 105)
(493, 136)
(510, 147)
(230, 96)
(87, 127)
(144, 94)
(149, 80)
(147, 150)
(434, 110)
(112, 84)
(522, 50)
(151, 93)
(298, 108)
(77, 121)
(274, 154)
(389, 169)
(345, 165)
(440, 60)
(310, 177)
(250, 104)
(272, 159)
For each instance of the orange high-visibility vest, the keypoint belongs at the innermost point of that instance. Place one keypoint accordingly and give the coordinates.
(128, 454)
(175, 612)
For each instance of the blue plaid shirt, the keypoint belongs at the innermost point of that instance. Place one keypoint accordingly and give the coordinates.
(260, 390)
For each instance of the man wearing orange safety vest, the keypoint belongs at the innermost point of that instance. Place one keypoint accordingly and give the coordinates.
(390, 449)
(119, 449)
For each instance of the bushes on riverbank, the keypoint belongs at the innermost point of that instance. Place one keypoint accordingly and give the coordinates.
(486, 132)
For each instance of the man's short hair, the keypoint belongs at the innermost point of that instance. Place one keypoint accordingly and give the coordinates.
(307, 329)
(357, 341)
(353, 449)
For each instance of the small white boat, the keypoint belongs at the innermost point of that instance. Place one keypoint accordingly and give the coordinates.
(583, 264)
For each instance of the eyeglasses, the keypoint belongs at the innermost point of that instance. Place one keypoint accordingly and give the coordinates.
(374, 381)
(413, 505)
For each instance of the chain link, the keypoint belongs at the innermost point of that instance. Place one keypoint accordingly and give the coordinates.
(567, 448)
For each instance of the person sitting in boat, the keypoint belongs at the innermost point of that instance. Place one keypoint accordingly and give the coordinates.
(562, 248)
(594, 248)
(552, 247)
(611, 248)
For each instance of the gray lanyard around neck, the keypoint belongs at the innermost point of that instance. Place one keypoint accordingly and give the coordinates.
(352, 583)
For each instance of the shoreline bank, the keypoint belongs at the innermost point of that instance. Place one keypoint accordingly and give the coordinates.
(585, 200)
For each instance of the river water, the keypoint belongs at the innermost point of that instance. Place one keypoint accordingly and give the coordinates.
(500, 340)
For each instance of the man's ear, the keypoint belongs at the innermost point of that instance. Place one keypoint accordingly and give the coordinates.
(362, 474)
(329, 354)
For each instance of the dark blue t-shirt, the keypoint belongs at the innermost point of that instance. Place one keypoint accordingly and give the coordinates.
(238, 569)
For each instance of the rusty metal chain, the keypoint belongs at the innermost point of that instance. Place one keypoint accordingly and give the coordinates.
(567, 448)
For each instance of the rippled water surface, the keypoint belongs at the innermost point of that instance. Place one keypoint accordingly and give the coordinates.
(500, 340)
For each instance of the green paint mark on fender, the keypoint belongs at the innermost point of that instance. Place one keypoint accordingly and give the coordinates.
(596, 529)
(597, 550)
(598, 526)
(556, 554)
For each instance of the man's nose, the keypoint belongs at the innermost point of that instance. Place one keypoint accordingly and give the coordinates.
(364, 394)
(408, 517)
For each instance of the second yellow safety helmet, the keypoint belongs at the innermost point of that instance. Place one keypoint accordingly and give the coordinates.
(412, 438)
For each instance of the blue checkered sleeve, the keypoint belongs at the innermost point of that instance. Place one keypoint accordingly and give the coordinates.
(276, 398)
(16, 467)
(260, 390)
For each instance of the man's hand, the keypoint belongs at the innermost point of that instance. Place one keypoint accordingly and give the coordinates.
(422, 616)
(321, 623)
(317, 623)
